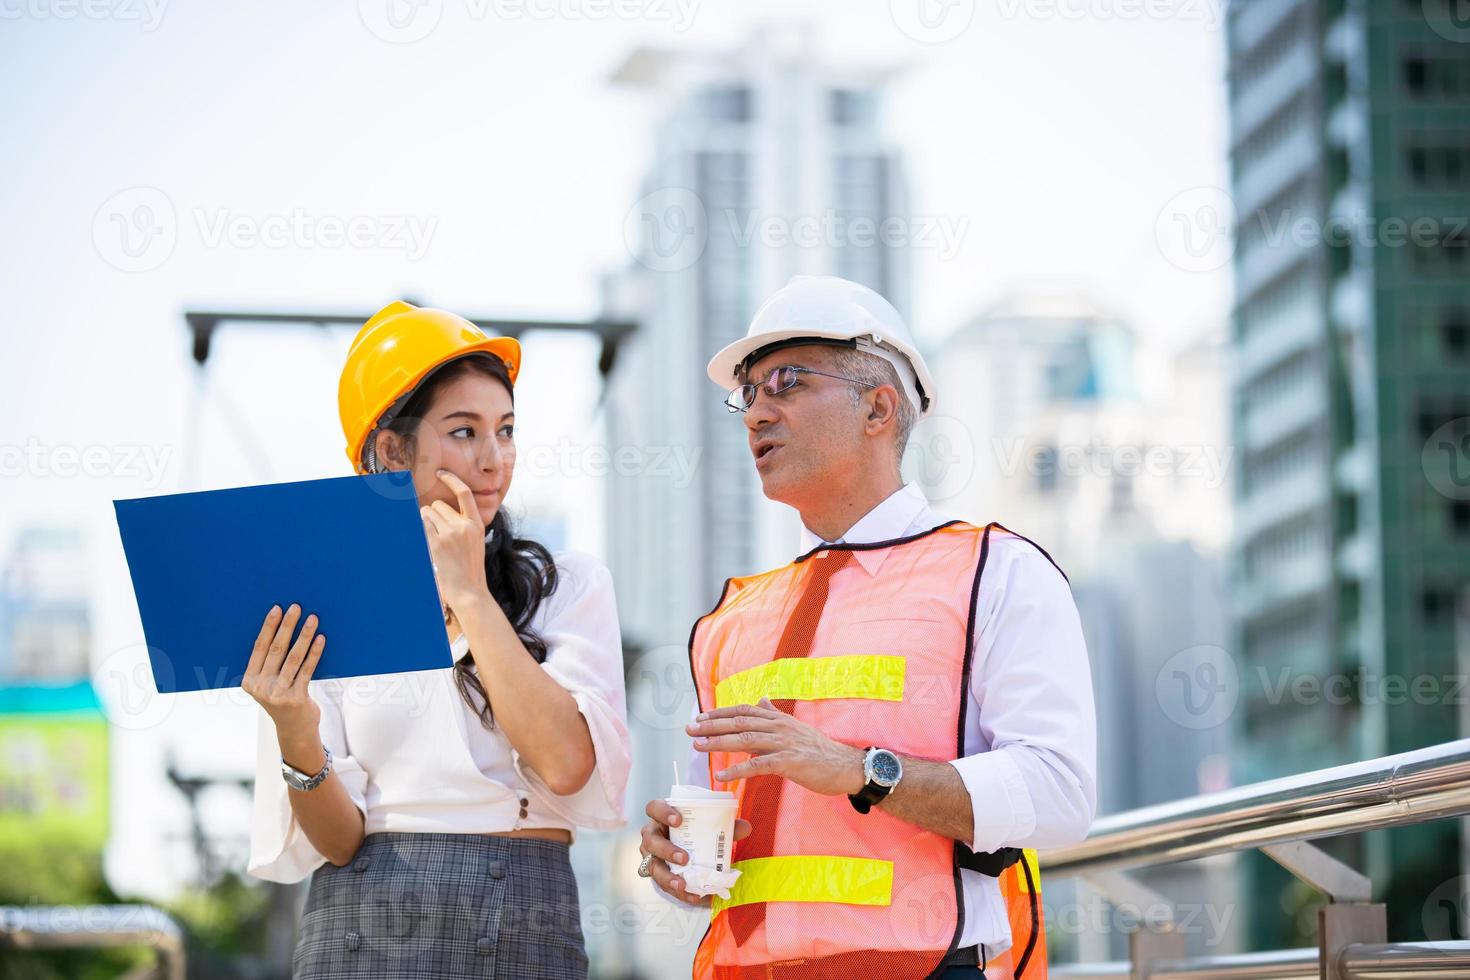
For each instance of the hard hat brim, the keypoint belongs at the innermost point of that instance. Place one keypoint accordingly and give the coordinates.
(723, 369)
(506, 349)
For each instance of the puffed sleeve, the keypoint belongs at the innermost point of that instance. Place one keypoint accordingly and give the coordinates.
(585, 656)
(279, 850)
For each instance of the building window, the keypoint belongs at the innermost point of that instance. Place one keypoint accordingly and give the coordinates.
(1435, 412)
(1046, 470)
(1454, 334)
(1276, 549)
(1437, 161)
(1264, 55)
(1291, 119)
(1429, 74)
(1283, 461)
(1460, 517)
(729, 104)
(1122, 493)
(1437, 604)
(1443, 255)
(853, 108)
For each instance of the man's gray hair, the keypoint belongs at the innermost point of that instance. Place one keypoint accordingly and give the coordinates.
(874, 370)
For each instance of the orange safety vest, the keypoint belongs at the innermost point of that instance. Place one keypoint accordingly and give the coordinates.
(849, 894)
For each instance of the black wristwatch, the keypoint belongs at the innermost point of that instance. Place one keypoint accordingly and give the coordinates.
(883, 770)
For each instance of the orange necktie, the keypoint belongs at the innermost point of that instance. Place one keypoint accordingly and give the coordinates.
(762, 798)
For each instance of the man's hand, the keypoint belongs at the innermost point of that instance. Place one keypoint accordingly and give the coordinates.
(779, 745)
(656, 841)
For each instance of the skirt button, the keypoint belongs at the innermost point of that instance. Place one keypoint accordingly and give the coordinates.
(360, 865)
(484, 946)
(497, 870)
(353, 940)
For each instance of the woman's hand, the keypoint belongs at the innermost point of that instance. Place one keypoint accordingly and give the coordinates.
(276, 676)
(457, 544)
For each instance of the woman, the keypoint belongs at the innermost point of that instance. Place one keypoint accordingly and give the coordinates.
(434, 810)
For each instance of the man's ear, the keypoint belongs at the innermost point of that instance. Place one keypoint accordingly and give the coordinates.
(882, 408)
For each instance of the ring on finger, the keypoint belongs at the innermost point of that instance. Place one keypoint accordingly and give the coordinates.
(643, 871)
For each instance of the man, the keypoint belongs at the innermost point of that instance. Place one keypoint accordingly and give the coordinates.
(900, 709)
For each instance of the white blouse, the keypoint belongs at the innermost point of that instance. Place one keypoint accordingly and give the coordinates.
(415, 757)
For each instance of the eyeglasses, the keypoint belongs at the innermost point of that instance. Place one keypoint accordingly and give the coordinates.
(780, 380)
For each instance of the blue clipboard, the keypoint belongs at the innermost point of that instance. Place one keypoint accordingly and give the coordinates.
(208, 566)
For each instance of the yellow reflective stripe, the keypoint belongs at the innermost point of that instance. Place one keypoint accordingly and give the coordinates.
(1028, 855)
(875, 678)
(810, 878)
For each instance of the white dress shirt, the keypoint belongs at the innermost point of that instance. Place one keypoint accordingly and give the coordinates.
(414, 757)
(1030, 762)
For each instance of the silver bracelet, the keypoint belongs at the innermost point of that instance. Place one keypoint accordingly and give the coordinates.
(297, 779)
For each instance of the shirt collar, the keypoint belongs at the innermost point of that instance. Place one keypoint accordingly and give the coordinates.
(899, 515)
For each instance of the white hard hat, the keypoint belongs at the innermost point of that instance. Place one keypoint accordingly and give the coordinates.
(830, 310)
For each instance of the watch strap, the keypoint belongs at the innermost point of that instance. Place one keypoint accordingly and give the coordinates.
(306, 782)
(870, 795)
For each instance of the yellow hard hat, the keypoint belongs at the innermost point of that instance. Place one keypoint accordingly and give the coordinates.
(395, 350)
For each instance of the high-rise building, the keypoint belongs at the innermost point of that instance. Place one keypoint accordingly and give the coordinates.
(768, 162)
(45, 627)
(1350, 153)
(1125, 484)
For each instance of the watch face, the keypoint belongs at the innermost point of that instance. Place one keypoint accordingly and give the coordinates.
(886, 768)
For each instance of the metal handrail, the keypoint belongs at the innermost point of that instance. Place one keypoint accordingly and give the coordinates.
(1399, 789)
(38, 927)
(1377, 961)
(1408, 788)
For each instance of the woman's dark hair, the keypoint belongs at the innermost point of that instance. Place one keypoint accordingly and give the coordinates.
(519, 571)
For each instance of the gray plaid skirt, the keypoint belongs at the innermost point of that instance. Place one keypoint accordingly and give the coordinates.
(444, 906)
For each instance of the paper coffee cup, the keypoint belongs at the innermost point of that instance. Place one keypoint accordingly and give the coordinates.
(706, 830)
